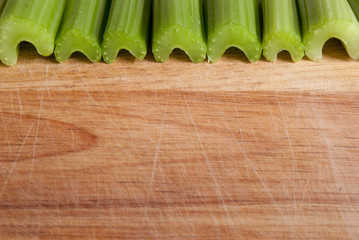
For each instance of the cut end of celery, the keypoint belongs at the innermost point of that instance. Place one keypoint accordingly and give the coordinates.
(177, 37)
(347, 32)
(14, 31)
(115, 41)
(233, 36)
(74, 41)
(276, 42)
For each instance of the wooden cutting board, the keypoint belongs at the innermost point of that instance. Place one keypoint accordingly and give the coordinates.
(142, 150)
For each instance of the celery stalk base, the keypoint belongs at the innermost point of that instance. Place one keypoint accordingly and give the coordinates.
(177, 37)
(346, 32)
(74, 41)
(233, 36)
(276, 42)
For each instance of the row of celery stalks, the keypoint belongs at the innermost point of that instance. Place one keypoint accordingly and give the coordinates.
(201, 28)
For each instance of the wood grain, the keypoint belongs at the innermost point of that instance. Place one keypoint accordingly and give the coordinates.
(140, 150)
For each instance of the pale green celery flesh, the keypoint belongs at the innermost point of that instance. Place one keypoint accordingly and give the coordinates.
(81, 29)
(127, 28)
(34, 21)
(325, 19)
(281, 29)
(178, 24)
(233, 23)
(355, 6)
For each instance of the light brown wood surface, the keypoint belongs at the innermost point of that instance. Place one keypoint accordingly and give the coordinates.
(141, 150)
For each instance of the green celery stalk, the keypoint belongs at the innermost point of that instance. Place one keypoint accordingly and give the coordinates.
(34, 21)
(178, 24)
(281, 29)
(325, 19)
(127, 28)
(355, 6)
(233, 23)
(81, 30)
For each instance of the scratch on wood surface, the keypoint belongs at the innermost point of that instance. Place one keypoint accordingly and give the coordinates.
(294, 167)
(265, 187)
(6, 131)
(54, 146)
(37, 131)
(84, 85)
(105, 96)
(339, 178)
(158, 146)
(20, 103)
(11, 102)
(286, 132)
(272, 120)
(237, 119)
(184, 110)
(217, 188)
(15, 161)
(154, 164)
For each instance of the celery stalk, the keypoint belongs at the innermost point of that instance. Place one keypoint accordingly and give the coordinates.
(233, 23)
(281, 29)
(355, 6)
(178, 24)
(81, 29)
(325, 19)
(34, 21)
(127, 28)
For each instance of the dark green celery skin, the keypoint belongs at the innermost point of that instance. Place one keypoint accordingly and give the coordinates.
(355, 6)
(2, 4)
